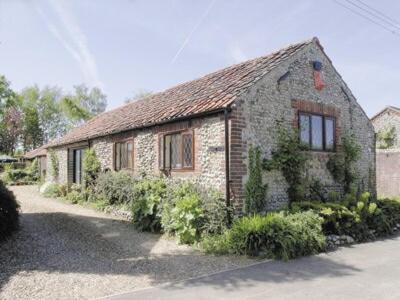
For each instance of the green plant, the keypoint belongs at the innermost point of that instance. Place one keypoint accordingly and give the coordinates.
(187, 218)
(386, 138)
(342, 164)
(115, 187)
(337, 218)
(9, 212)
(318, 191)
(290, 158)
(216, 212)
(255, 190)
(55, 168)
(148, 194)
(279, 235)
(76, 194)
(51, 190)
(91, 167)
(33, 170)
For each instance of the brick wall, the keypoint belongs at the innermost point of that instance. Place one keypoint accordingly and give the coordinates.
(388, 172)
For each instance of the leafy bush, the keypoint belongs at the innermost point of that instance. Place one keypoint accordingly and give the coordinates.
(55, 167)
(9, 212)
(76, 194)
(187, 218)
(51, 190)
(279, 235)
(390, 209)
(148, 194)
(337, 218)
(91, 167)
(255, 190)
(115, 187)
(216, 212)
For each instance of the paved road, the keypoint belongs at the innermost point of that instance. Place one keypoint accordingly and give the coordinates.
(367, 271)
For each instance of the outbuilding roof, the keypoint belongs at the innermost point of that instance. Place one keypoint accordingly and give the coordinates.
(387, 108)
(209, 93)
(41, 151)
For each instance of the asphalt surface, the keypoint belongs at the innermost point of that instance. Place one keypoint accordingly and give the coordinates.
(364, 271)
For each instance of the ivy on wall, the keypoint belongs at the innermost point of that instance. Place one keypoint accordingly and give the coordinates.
(342, 164)
(385, 138)
(255, 190)
(290, 158)
(54, 163)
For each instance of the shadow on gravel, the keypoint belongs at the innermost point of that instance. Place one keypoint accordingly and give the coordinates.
(68, 243)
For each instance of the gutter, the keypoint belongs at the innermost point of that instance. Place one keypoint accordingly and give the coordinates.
(227, 165)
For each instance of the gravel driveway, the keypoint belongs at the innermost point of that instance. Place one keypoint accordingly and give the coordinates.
(65, 251)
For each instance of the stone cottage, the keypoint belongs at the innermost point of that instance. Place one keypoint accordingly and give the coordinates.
(201, 130)
(387, 128)
(41, 155)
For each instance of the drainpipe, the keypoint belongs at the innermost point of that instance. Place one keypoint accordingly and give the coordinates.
(227, 178)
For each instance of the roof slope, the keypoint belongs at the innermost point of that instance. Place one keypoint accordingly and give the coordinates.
(392, 108)
(206, 94)
(41, 151)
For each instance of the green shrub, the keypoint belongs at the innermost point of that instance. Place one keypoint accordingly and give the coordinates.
(278, 235)
(390, 209)
(115, 187)
(216, 212)
(51, 190)
(9, 212)
(33, 170)
(337, 218)
(255, 190)
(91, 167)
(187, 218)
(76, 194)
(55, 167)
(148, 194)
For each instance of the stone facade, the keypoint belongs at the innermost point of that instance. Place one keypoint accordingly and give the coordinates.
(209, 164)
(279, 96)
(387, 119)
(276, 96)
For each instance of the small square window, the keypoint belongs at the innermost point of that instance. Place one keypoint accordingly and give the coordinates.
(317, 131)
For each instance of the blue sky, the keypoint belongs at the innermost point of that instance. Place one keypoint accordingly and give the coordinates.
(125, 46)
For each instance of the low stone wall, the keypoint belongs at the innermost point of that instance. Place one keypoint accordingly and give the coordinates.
(388, 172)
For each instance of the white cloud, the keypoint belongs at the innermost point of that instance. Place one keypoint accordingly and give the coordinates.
(237, 54)
(70, 35)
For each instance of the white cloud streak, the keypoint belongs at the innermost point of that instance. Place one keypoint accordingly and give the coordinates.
(73, 40)
(196, 26)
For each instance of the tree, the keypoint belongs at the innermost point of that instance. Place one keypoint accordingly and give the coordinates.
(83, 105)
(11, 129)
(10, 117)
(141, 94)
(32, 131)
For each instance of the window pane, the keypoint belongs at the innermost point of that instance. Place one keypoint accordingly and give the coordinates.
(305, 129)
(167, 151)
(329, 133)
(316, 133)
(118, 156)
(187, 150)
(130, 155)
(176, 151)
(124, 156)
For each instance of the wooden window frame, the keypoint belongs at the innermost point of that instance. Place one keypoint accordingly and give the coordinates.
(123, 141)
(324, 117)
(162, 155)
